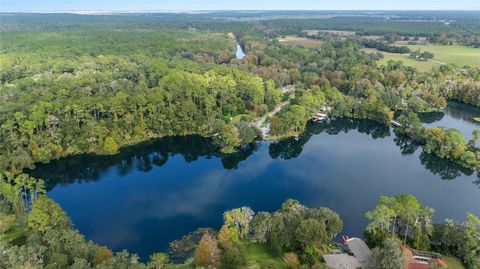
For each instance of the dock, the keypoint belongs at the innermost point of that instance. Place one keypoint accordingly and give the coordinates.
(395, 123)
(319, 116)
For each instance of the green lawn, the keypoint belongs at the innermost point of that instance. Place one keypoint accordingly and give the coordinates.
(452, 54)
(237, 118)
(420, 65)
(453, 263)
(259, 256)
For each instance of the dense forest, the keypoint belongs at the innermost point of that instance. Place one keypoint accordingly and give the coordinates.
(138, 84)
(72, 84)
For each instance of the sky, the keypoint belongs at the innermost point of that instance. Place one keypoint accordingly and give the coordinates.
(144, 5)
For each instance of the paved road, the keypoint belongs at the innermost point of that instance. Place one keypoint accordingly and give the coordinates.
(260, 122)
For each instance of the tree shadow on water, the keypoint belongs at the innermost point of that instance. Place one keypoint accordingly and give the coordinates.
(446, 169)
(142, 157)
(290, 148)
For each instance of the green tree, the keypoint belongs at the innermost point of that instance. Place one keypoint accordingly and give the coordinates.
(101, 255)
(401, 215)
(234, 256)
(389, 255)
(239, 218)
(110, 146)
(158, 261)
(228, 138)
(228, 235)
(470, 247)
(46, 215)
(296, 228)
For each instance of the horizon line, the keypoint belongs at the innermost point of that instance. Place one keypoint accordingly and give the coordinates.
(218, 10)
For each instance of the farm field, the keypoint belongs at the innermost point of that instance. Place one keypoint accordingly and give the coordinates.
(420, 65)
(452, 54)
(300, 41)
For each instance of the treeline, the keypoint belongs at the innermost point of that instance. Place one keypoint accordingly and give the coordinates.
(467, 91)
(462, 26)
(99, 113)
(340, 79)
(421, 55)
(141, 84)
(382, 46)
(36, 233)
(444, 142)
(364, 25)
(53, 105)
(404, 217)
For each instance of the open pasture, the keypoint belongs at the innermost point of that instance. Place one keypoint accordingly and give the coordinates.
(452, 54)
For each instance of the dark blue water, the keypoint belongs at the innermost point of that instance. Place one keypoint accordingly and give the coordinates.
(151, 194)
(456, 115)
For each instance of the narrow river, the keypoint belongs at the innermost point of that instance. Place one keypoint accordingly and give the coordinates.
(239, 53)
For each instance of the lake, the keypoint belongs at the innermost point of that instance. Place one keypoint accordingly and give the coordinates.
(150, 194)
(456, 115)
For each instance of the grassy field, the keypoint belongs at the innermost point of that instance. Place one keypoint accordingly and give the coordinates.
(333, 32)
(453, 263)
(300, 41)
(452, 54)
(420, 65)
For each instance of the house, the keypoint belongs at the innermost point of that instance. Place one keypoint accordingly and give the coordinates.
(341, 261)
(360, 250)
(361, 255)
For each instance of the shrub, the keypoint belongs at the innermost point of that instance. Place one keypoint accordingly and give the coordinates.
(207, 252)
(234, 256)
(291, 260)
(100, 255)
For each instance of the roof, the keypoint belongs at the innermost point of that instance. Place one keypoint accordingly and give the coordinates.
(341, 261)
(360, 250)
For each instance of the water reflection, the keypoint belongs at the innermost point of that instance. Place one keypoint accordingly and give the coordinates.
(464, 112)
(431, 117)
(143, 157)
(152, 194)
(456, 115)
(292, 147)
(406, 145)
(446, 169)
